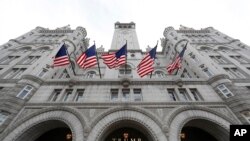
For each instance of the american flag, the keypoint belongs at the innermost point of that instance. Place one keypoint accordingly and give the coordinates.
(88, 58)
(61, 58)
(146, 65)
(176, 64)
(116, 59)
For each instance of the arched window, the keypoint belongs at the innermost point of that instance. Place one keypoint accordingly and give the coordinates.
(90, 74)
(160, 74)
(125, 70)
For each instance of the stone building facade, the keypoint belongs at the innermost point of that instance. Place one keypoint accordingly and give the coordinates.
(201, 100)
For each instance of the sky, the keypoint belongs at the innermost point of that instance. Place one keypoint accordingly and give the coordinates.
(231, 17)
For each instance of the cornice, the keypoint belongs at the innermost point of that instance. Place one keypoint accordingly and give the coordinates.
(56, 31)
(148, 81)
(104, 105)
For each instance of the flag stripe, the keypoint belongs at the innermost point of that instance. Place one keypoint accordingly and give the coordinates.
(88, 58)
(61, 58)
(116, 59)
(146, 65)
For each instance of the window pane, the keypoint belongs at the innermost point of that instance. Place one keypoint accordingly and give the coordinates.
(79, 95)
(114, 94)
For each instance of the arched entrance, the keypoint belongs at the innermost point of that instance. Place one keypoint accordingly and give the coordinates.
(47, 121)
(126, 131)
(201, 129)
(52, 130)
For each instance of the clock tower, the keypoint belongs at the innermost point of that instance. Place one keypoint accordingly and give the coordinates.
(123, 32)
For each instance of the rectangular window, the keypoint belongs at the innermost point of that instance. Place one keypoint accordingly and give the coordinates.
(195, 94)
(137, 95)
(25, 92)
(15, 73)
(3, 117)
(79, 94)
(67, 95)
(125, 94)
(56, 94)
(183, 95)
(114, 94)
(8, 59)
(225, 91)
(240, 59)
(42, 72)
(172, 94)
(207, 72)
(234, 73)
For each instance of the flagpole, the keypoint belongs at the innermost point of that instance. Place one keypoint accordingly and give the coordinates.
(154, 59)
(181, 60)
(126, 59)
(98, 62)
(70, 61)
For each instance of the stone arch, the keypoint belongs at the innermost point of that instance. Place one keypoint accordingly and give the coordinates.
(111, 117)
(70, 117)
(183, 115)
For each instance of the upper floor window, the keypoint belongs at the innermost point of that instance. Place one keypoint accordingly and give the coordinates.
(234, 73)
(79, 94)
(30, 59)
(42, 72)
(91, 74)
(64, 74)
(8, 59)
(207, 72)
(185, 74)
(67, 95)
(3, 116)
(160, 74)
(137, 95)
(114, 94)
(219, 59)
(55, 95)
(172, 94)
(125, 94)
(195, 94)
(240, 59)
(25, 92)
(15, 73)
(125, 69)
(183, 95)
(224, 90)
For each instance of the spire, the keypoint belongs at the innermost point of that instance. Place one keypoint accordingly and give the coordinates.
(123, 32)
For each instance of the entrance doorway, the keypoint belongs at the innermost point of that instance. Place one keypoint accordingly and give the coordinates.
(126, 134)
(201, 129)
(57, 134)
(126, 130)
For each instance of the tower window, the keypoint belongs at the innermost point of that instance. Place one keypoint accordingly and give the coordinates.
(91, 74)
(125, 70)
